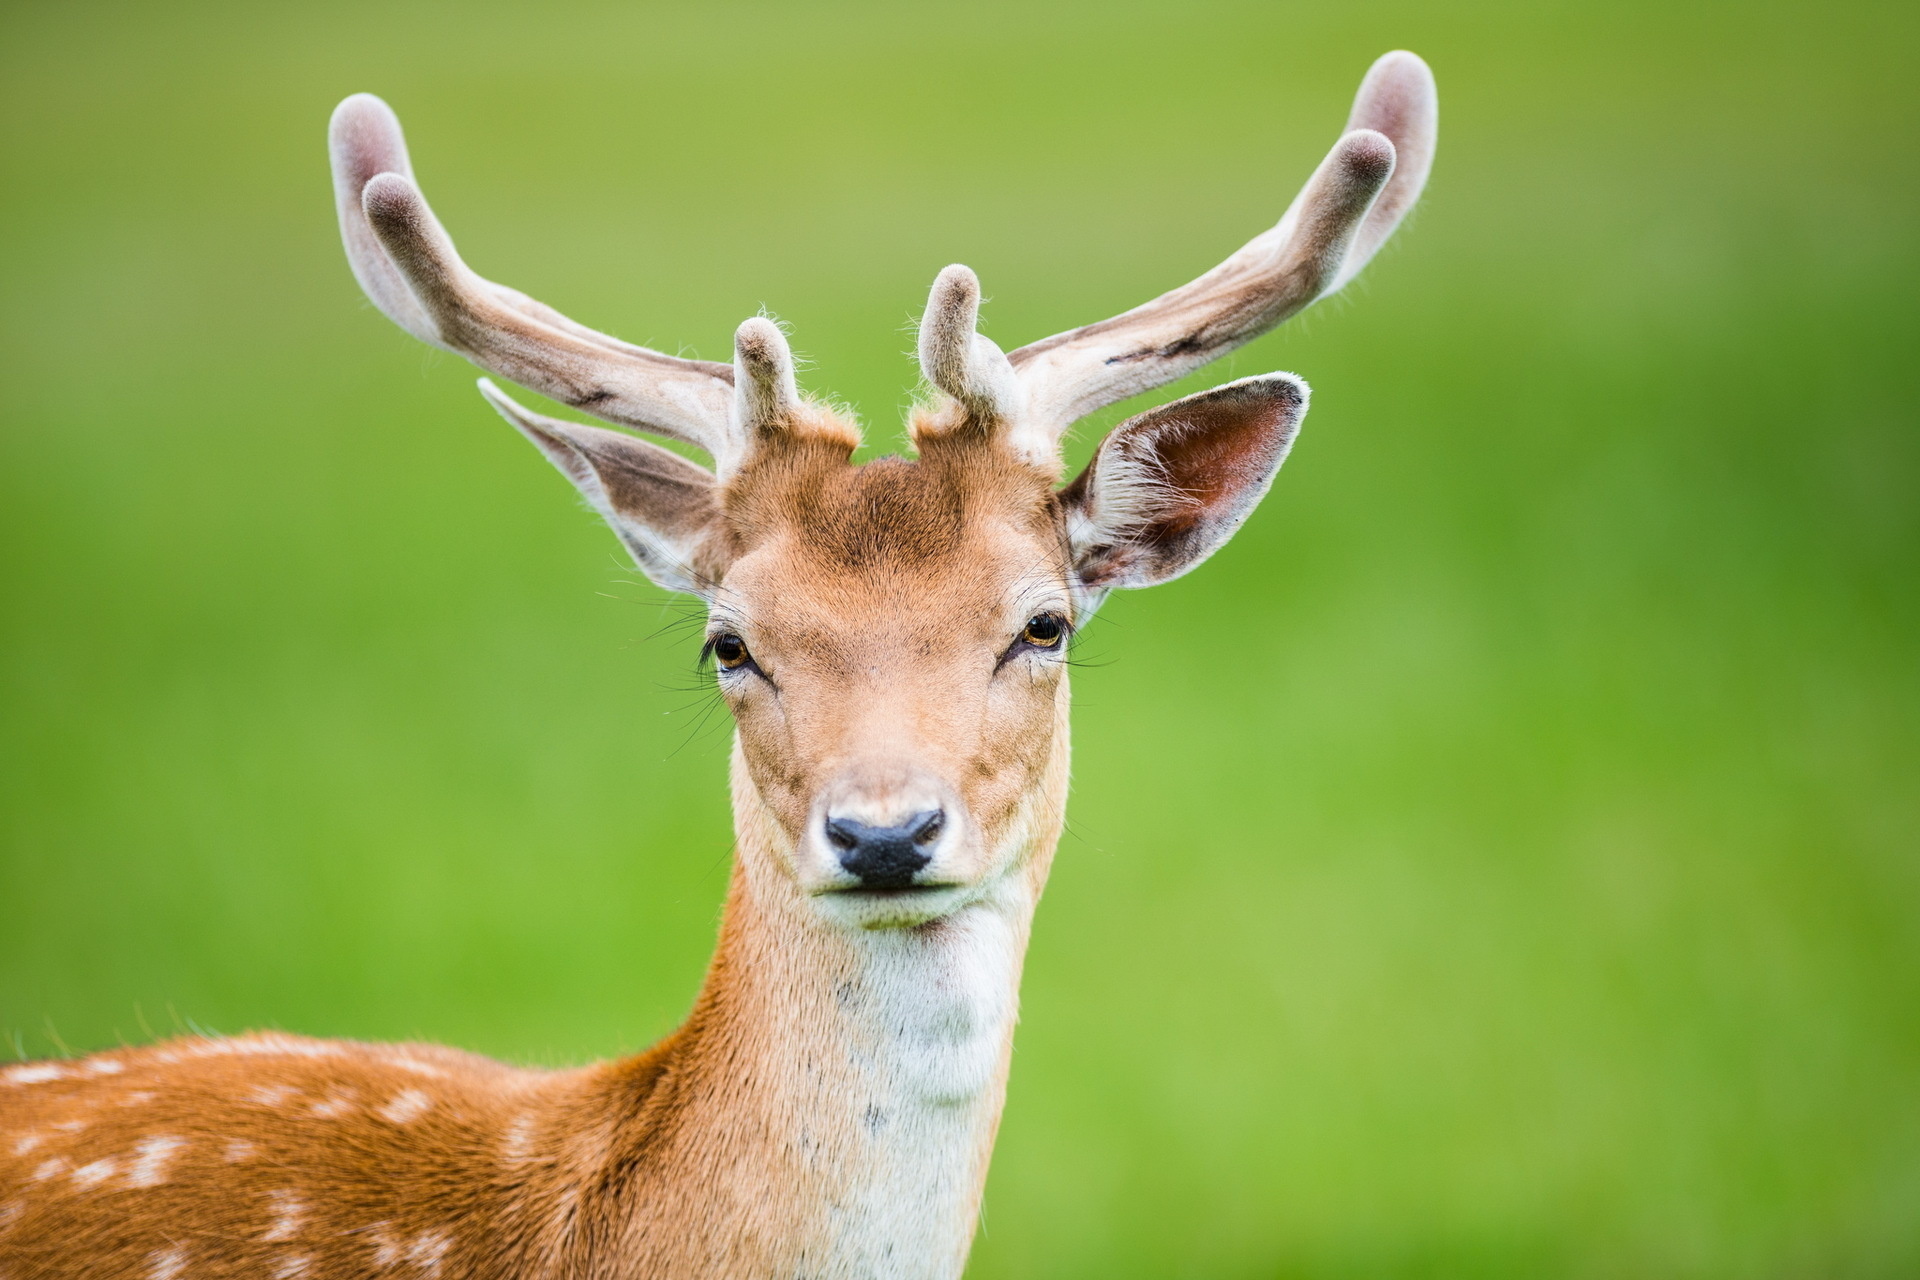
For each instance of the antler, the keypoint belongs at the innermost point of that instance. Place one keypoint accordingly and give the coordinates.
(1344, 214)
(408, 266)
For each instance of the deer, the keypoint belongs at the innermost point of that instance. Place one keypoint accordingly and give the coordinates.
(891, 639)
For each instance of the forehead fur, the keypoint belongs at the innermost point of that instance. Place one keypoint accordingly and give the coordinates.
(891, 513)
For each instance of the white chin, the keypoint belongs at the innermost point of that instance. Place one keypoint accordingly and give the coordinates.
(892, 908)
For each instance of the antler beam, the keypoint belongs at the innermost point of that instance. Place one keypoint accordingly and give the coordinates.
(1348, 208)
(405, 261)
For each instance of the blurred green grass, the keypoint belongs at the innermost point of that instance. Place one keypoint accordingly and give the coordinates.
(1501, 861)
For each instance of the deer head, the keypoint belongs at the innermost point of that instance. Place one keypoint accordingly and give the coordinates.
(891, 637)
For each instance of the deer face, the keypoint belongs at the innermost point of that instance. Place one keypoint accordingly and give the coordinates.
(892, 641)
(891, 637)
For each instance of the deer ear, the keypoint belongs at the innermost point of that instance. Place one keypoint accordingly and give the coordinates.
(1167, 489)
(665, 509)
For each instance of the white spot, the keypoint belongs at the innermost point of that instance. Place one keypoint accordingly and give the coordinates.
(336, 1104)
(27, 1142)
(288, 1211)
(387, 1251)
(407, 1062)
(267, 1045)
(238, 1149)
(167, 1264)
(518, 1143)
(408, 1104)
(151, 1157)
(71, 1126)
(427, 1250)
(270, 1095)
(34, 1073)
(49, 1169)
(106, 1066)
(92, 1175)
(289, 1268)
(137, 1097)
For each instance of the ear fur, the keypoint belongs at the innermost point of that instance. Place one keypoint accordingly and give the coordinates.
(664, 508)
(1166, 489)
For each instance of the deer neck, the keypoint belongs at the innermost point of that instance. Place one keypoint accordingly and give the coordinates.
(833, 1099)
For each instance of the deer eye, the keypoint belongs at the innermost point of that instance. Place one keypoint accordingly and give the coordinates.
(1044, 630)
(729, 650)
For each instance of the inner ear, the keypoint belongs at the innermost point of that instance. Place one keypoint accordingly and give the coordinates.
(1166, 489)
(665, 509)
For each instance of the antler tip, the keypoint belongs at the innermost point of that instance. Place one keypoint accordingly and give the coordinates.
(1367, 156)
(391, 201)
(954, 301)
(364, 138)
(957, 278)
(953, 312)
(1400, 98)
(361, 106)
(1402, 64)
(760, 344)
(764, 390)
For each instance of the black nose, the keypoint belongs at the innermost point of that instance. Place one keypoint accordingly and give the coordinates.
(885, 857)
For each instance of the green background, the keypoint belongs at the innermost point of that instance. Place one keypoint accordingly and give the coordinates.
(1500, 861)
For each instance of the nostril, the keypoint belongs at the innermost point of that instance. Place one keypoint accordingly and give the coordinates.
(885, 857)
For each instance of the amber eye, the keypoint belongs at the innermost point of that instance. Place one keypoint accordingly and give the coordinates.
(729, 650)
(1044, 630)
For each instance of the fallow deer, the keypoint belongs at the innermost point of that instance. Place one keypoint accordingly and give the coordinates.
(890, 639)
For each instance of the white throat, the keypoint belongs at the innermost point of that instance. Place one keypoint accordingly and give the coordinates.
(888, 1079)
(930, 1019)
